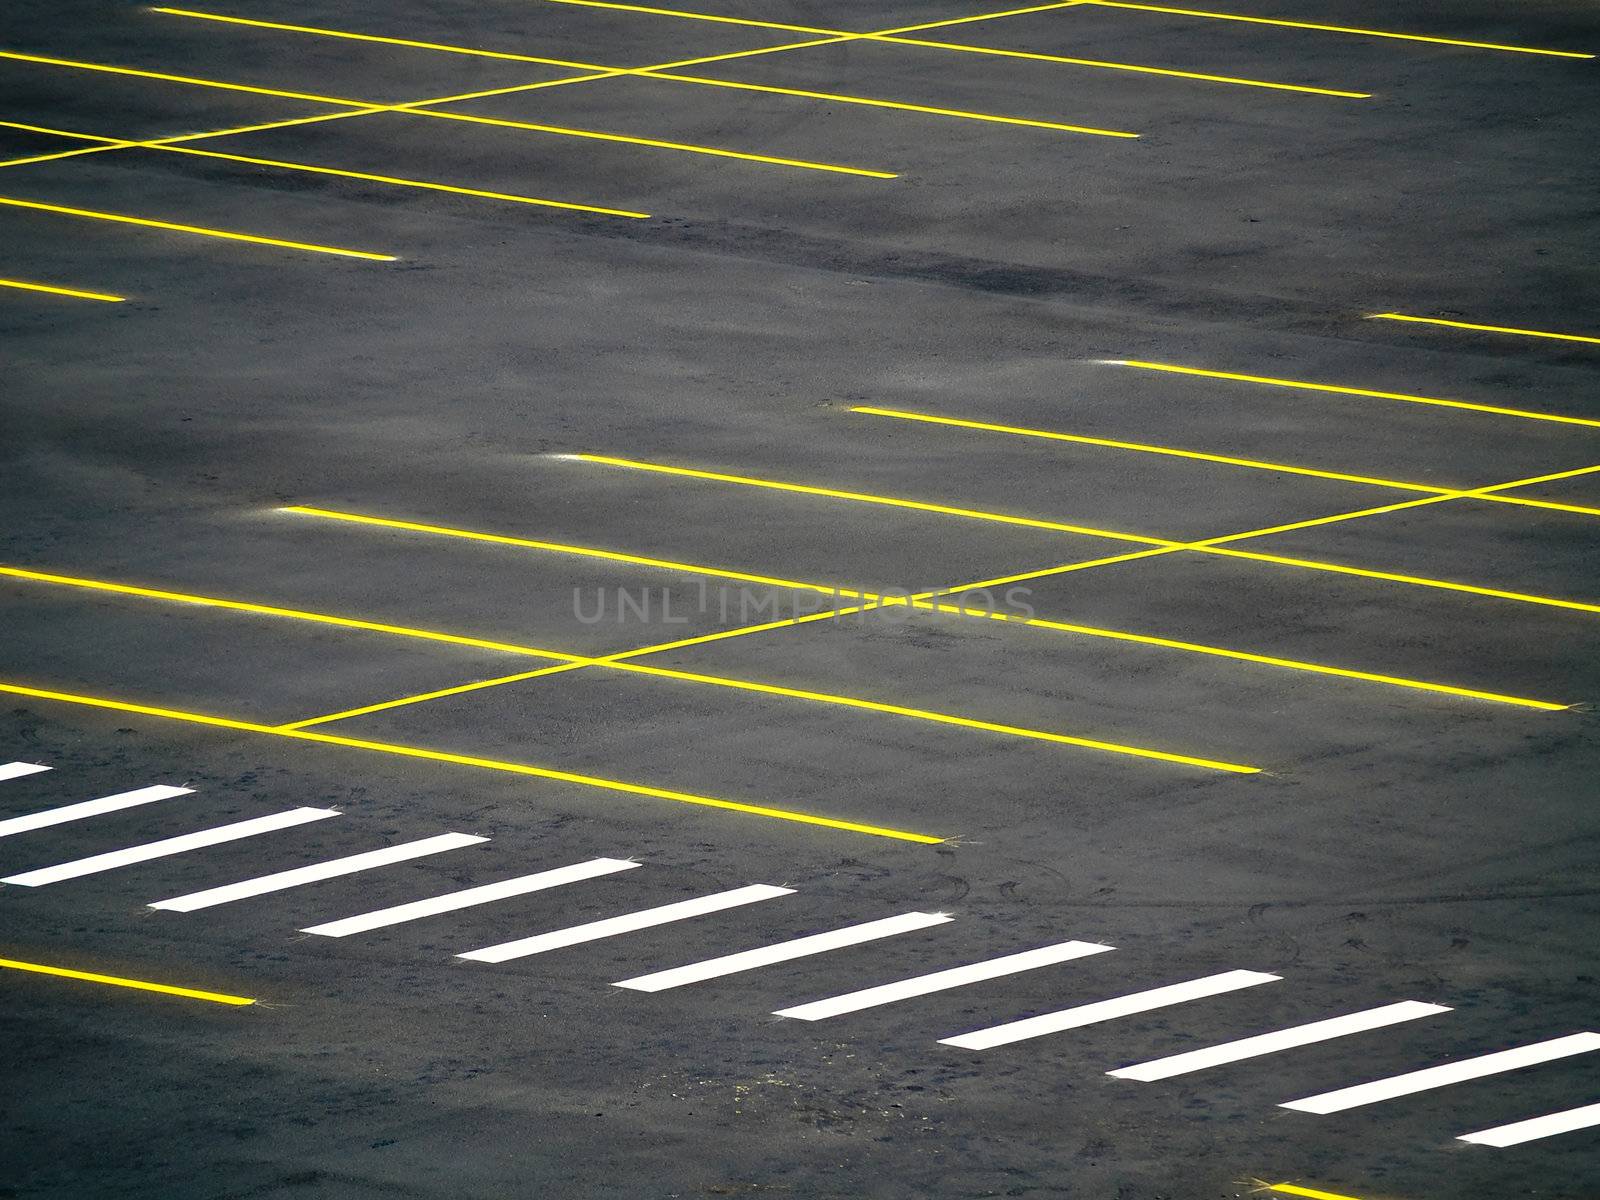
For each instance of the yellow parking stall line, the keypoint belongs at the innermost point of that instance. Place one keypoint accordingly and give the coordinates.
(1221, 459)
(118, 981)
(648, 73)
(197, 230)
(1375, 33)
(427, 185)
(57, 290)
(1339, 390)
(489, 764)
(424, 697)
(719, 681)
(1291, 1189)
(895, 36)
(1533, 333)
(361, 108)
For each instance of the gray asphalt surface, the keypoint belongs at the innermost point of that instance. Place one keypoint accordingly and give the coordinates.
(1396, 843)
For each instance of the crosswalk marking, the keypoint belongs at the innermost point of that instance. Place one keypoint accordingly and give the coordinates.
(1107, 1010)
(173, 845)
(939, 981)
(627, 923)
(467, 897)
(89, 808)
(1282, 1039)
(1447, 1074)
(317, 871)
(816, 943)
(1518, 1132)
(17, 770)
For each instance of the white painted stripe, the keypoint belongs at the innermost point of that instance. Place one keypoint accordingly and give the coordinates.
(1534, 1128)
(17, 770)
(627, 923)
(90, 808)
(939, 981)
(331, 869)
(467, 897)
(816, 943)
(173, 845)
(1107, 1010)
(1444, 1076)
(1282, 1039)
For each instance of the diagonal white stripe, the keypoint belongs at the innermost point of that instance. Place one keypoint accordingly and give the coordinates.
(1536, 1127)
(89, 808)
(627, 923)
(938, 981)
(174, 845)
(17, 770)
(762, 956)
(318, 871)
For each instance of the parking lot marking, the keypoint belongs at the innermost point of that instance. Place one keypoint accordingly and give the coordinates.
(628, 923)
(17, 770)
(466, 760)
(1291, 1189)
(1533, 333)
(1220, 459)
(486, 893)
(939, 981)
(1449, 1073)
(316, 872)
(779, 952)
(896, 37)
(1375, 33)
(362, 108)
(1338, 390)
(1277, 1041)
(200, 231)
(616, 663)
(649, 73)
(130, 855)
(1534, 1128)
(90, 808)
(1107, 1010)
(118, 981)
(170, 147)
(57, 290)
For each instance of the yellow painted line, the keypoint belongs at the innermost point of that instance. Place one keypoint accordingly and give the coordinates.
(1208, 546)
(61, 291)
(169, 148)
(648, 73)
(719, 681)
(1377, 33)
(1290, 1189)
(424, 697)
(1535, 333)
(200, 231)
(930, 605)
(490, 764)
(895, 36)
(869, 498)
(1221, 459)
(366, 108)
(118, 981)
(1301, 385)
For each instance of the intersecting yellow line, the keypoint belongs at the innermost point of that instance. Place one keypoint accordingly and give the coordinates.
(582, 660)
(1375, 33)
(894, 36)
(490, 764)
(56, 290)
(648, 73)
(198, 230)
(1533, 333)
(117, 981)
(1221, 459)
(366, 108)
(1338, 390)
(931, 605)
(168, 146)
(1207, 546)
